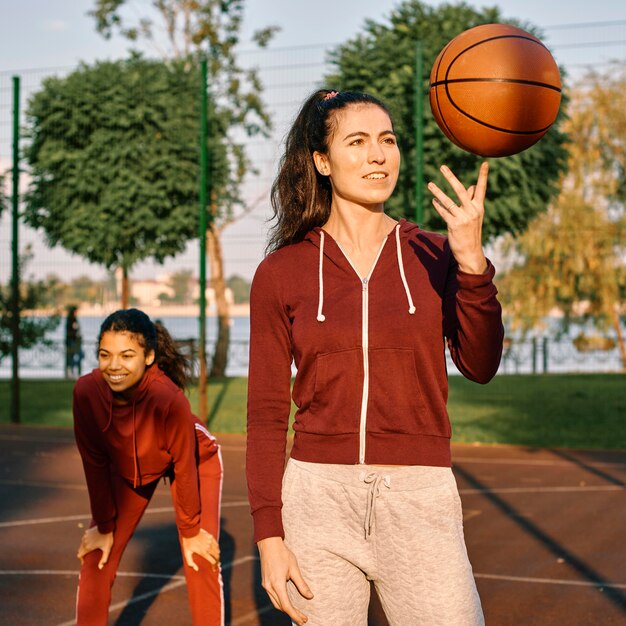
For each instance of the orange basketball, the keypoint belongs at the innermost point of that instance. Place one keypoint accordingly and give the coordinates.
(495, 90)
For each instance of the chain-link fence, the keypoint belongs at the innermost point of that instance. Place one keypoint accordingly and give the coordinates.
(167, 291)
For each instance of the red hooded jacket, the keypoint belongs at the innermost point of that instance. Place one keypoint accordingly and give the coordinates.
(371, 384)
(141, 441)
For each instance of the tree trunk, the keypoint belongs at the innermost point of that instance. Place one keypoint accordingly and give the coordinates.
(621, 344)
(216, 261)
(125, 287)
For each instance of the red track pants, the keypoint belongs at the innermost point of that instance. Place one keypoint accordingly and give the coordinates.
(204, 587)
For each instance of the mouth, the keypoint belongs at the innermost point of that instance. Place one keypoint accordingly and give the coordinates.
(117, 378)
(375, 176)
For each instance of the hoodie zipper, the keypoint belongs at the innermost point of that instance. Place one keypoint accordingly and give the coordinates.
(364, 346)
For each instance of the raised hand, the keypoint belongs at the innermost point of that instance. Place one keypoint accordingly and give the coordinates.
(465, 219)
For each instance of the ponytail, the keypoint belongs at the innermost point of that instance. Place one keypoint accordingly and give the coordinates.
(173, 363)
(152, 337)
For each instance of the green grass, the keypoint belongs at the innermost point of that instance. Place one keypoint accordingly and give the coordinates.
(557, 410)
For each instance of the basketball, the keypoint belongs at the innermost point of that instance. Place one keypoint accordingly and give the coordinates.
(495, 90)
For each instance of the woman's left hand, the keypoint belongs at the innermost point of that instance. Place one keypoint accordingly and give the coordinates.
(465, 221)
(203, 544)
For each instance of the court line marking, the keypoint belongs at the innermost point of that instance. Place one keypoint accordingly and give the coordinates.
(553, 581)
(178, 581)
(553, 462)
(566, 489)
(244, 503)
(87, 516)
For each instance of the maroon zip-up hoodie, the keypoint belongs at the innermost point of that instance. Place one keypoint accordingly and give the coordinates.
(371, 384)
(140, 441)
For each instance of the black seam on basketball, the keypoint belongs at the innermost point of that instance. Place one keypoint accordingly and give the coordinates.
(441, 115)
(518, 81)
(482, 41)
(497, 128)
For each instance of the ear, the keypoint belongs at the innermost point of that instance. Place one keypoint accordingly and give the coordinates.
(321, 163)
(150, 358)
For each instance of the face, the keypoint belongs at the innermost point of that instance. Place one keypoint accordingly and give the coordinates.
(122, 361)
(363, 159)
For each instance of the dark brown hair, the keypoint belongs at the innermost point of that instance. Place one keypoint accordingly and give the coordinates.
(301, 196)
(151, 336)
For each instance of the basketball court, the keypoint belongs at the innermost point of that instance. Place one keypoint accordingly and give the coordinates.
(544, 529)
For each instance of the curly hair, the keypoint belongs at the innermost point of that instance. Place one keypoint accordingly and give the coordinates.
(151, 336)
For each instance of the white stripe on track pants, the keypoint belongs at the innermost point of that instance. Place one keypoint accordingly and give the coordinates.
(400, 527)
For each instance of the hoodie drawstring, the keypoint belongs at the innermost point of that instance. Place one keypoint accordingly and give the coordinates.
(320, 305)
(374, 481)
(320, 316)
(402, 275)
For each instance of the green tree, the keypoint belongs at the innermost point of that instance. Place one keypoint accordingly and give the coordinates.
(182, 29)
(572, 258)
(181, 283)
(240, 288)
(113, 154)
(381, 61)
(32, 329)
(84, 289)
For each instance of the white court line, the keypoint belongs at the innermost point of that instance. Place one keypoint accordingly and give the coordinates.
(539, 490)
(87, 516)
(553, 581)
(179, 581)
(46, 485)
(556, 463)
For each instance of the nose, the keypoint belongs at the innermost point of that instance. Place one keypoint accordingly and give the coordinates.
(376, 154)
(114, 363)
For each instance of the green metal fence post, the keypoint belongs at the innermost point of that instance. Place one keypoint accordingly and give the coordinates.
(202, 378)
(15, 269)
(419, 133)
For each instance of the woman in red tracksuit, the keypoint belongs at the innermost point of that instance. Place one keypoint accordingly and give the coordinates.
(133, 425)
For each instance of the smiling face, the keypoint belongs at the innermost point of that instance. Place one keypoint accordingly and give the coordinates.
(122, 361)
(363, 159)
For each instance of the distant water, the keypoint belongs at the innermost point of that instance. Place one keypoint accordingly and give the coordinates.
(560, 356)
(49, 362)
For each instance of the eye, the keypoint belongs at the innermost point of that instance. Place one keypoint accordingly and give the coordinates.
(390, 141)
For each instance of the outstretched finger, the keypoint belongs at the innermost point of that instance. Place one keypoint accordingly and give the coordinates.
(481, 185)
(442, 202)
(455, 183)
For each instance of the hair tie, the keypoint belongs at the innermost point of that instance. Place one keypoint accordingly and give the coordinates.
(330, 95)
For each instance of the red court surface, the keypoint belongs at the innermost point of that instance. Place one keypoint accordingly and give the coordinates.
(545, 529)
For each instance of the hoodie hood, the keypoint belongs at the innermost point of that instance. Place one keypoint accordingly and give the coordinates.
(401, 232)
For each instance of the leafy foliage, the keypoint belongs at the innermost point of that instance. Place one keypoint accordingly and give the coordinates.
(382, 61)
(32, 330)
(114, 161)
(572, 257)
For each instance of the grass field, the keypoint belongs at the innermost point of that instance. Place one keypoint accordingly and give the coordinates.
(569, 410)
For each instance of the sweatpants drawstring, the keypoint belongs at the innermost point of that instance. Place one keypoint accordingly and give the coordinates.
(374, 481)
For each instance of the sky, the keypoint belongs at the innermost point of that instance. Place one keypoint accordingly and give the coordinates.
(38, 34)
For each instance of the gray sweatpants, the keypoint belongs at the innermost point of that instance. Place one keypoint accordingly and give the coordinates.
(400, 527)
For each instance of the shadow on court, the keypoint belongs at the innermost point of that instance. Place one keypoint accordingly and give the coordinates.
(544, 531)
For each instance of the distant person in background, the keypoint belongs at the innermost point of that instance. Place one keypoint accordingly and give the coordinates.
(73, 344)
(133, 426)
